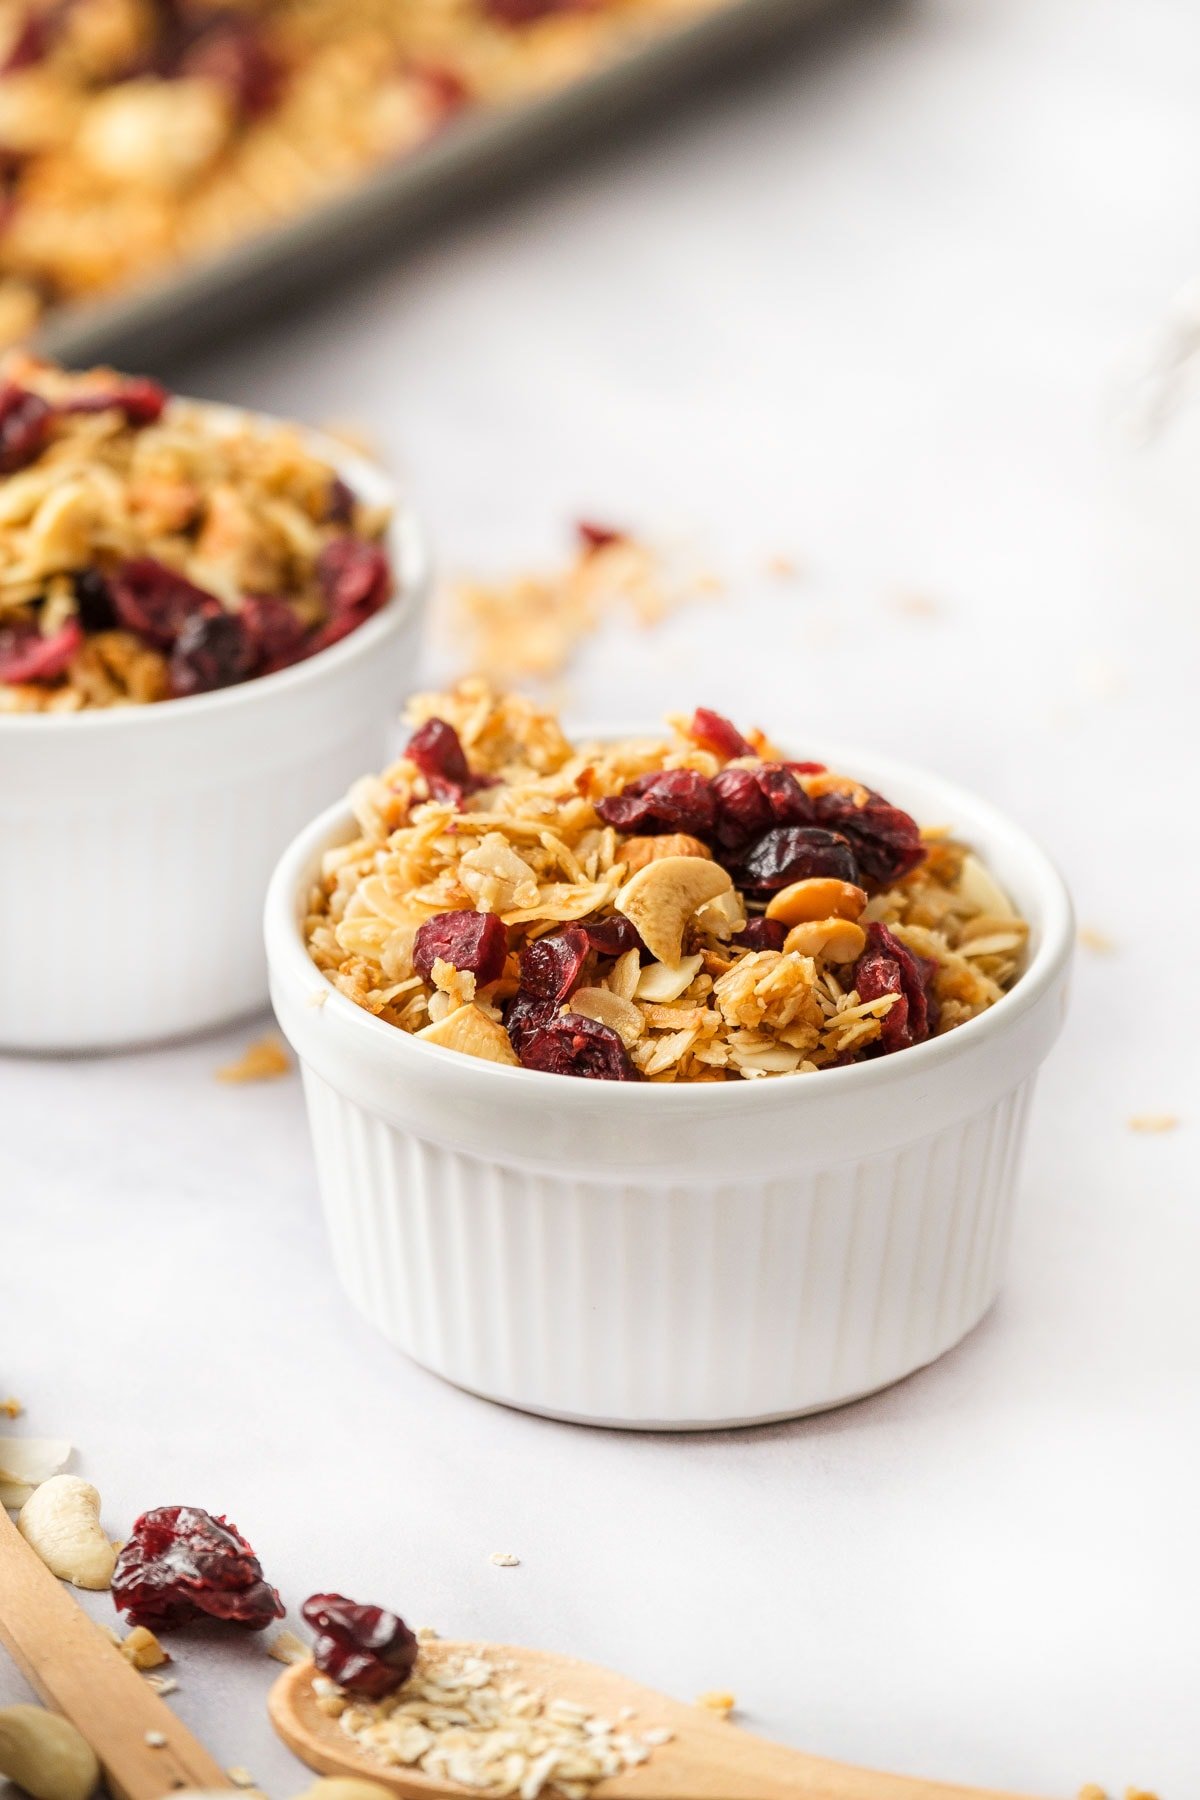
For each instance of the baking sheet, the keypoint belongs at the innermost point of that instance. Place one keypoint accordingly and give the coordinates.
(484, 147)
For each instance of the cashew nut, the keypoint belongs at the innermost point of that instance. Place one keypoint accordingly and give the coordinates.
(661, 898)
(45, 1755)
(837, 940)
(636, 852)
(661, 982)
(820, 897)
(345, 1787)
(610, 1009)
(61, 1521)
(469, 1030)
(721, 917)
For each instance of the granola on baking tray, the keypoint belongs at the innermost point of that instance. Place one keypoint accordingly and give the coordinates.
(694, 907)
(152, 549)
(140, 134)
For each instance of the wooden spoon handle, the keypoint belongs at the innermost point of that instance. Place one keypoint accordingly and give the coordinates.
(74, 1669)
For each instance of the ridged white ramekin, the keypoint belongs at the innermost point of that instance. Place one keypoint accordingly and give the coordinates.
(678, 1256)
(137, 843)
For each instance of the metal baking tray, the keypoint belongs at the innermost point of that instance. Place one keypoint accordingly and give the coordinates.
(469, 157)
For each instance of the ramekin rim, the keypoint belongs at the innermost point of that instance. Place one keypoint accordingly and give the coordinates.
(413, 574)
(288, 956)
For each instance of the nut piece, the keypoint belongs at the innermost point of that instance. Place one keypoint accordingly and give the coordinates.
(143, 1650)
(621, 1015)
(469, 1030)
(61, 1521)
(661, 898)
(837, 940)
(636, 852)
(820, 897)
(45, 1755)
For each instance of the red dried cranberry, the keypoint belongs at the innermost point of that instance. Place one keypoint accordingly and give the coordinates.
(445, 88)
(713, 732)
(277, 636)
(94, 601)
(887, 842)
(25, 421)
(365, 1649)
(751, 801)
(234, 56)
(156, 601)
(528, 12)
(569, 1044)
(551, 965)
(211, 652)
(356, 579)
(438, 753)
(339, 508)
(666, 800)
(475, 942)
(526, 1015)
(140, 399)
(887, 966)
(32, 42)
(597, 537)
(25, 655)
(613, 936)
(794, 853)
(761, 934)
(180, 1564)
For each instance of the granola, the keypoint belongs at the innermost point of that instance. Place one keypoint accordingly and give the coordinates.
(694, 907)
(151, 549)
(136, 135)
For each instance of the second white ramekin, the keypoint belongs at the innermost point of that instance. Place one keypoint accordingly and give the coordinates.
(676, 1256)
(136, 844)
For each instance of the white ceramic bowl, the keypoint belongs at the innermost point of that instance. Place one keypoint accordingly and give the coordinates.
(676, 1256)
(137, 842)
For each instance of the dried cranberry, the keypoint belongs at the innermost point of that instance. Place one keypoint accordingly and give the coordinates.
(180, 1564)
(156, 601)
(234, 56)
(551, 965)
(277, 636)
(613, 936)
(140, 399)
(528, 12)
(365, 1649)
(886, 842)
(761, 934)
(94, 600)
(887, 966)
(665, 800)
(597, 537)
(25, 420)
(438, 753)
(751, 801)
(569, 1044)
(713, 732)
(445, 88)
(211, 652)
(25, 655)
(339, 507)
(32, 42)
(794, 853)
(356, 579)
(475, 942)
(525, 1015)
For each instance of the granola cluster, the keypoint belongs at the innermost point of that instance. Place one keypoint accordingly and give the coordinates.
(694, 907)
(137, 134)
(150, 549)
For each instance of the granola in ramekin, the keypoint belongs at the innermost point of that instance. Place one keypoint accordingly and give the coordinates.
(695, 907)
(153, 549)
(135, 134)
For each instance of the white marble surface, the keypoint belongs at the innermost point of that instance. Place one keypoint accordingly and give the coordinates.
(876, 308)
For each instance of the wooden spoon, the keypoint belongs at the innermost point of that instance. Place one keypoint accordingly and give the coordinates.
(706, 1759)
(73, 1667)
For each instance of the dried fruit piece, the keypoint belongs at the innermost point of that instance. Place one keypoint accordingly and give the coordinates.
(569, 1044)
(25, 655)
(93, 600)
(436, 749)
(156, 601)
(667, 800)
(140, 399)
(25, 421)
(614, 936)
(889, 967)
(886, 841)
(356, 581)
(181, 1563)
(276, 634)
(760, 934)
(751, 801)
(598, 537)
(475, 942)
(552, 965)
(213, 650)
(365, 1649)
(525, 1015)
(235, 57)
(712, 731)
(794, 853)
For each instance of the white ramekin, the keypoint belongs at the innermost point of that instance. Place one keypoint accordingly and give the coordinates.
(137, 843)
(678, 1256)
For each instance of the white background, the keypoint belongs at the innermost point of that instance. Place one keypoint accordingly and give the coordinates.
(877, 306)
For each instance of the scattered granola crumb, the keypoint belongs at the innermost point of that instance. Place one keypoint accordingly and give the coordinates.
(1089, 1791)
(261, 1061)
(1137, 1793)
(157, 1740)
(783, 567)
(163, 1684)
(143, 1649)
(288, 1648)
(1098, 942)
(504, 1559)
(317, 998)
(658, 1734)
(1153, 1122)
(11, 1408)
(717, 1700)
(241, 1778)
(917, 606)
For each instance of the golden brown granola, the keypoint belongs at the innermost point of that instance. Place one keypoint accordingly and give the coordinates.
(697, 1000)
(261, 1061)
